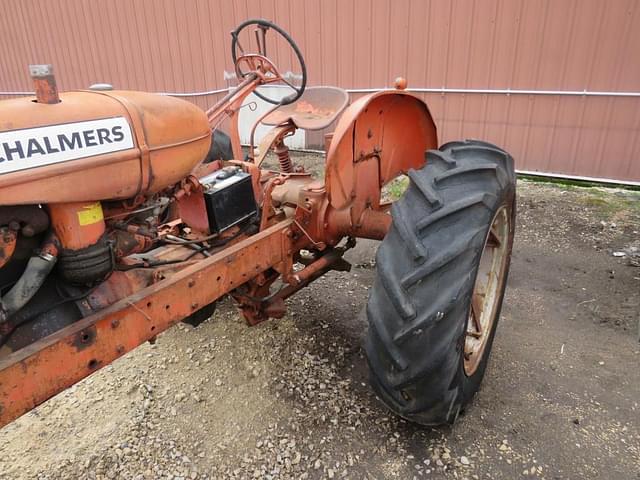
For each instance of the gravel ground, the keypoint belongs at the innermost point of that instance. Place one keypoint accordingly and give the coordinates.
(289, 399)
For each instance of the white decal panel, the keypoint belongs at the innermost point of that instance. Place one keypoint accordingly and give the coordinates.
(40, 146)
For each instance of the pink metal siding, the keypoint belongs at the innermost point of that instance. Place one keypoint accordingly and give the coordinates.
(182, 46)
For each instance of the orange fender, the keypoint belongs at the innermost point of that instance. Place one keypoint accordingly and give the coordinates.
(378, 137)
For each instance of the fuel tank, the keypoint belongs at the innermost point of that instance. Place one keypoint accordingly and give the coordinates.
(97, 145)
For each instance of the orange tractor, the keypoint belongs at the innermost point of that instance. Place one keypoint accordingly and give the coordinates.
(120, 216)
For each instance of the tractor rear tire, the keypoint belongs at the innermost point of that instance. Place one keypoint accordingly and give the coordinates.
(450, 243)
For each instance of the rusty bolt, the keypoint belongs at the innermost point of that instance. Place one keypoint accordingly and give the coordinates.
(191, 283)
(120, 349)
(115, 323)
(289, 233)
(194, 305)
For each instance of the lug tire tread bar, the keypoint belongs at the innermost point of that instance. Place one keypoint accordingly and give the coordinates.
(426, 268)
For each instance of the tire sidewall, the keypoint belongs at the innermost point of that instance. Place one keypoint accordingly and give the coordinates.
(427, 266)
(470, 384)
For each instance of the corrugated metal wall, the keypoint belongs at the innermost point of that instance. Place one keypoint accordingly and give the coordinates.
(183, 46)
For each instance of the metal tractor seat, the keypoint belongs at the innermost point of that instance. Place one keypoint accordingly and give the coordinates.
(316, 109)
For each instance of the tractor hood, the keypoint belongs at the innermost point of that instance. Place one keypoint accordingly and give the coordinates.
(97, 145)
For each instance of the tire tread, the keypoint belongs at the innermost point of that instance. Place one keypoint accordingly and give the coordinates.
(425, 276)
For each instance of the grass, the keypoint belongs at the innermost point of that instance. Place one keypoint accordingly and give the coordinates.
(607, 199)
(395, 188)
(570, 184)
(611, 203)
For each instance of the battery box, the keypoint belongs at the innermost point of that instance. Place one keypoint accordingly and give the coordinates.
(229, 198)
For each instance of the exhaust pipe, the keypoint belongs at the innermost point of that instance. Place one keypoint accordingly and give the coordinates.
(44, 84)
(38, 268)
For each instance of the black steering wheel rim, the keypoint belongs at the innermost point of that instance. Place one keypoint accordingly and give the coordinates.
(270, 25)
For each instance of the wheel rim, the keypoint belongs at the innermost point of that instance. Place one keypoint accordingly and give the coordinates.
(487, 290)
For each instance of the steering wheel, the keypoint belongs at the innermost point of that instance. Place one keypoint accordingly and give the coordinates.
(247, 63)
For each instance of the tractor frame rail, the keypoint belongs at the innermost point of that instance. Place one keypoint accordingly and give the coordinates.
(36, 373)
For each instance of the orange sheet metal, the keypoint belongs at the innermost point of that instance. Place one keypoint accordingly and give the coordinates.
(105, 146)
(378, 137)
(45, 368)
